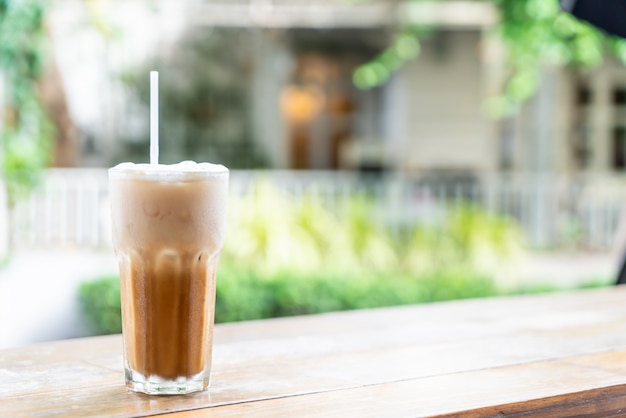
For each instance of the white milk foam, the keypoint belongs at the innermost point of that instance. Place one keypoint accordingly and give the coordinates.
(180, 171)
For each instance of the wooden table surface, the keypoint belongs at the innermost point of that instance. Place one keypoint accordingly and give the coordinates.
(551, 355)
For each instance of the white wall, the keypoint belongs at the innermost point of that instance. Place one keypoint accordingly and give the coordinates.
(443, 92)
(39, 293)
(4, 204)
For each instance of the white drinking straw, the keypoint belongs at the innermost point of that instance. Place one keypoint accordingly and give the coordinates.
(154, 117)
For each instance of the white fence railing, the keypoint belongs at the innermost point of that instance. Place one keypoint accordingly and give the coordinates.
(71, 206)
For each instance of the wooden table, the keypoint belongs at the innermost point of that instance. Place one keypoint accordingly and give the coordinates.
(549, 355)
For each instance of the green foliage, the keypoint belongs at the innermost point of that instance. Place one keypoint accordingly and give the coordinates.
(536, 35)
(404, 47)
(538, 287)
(101, 305)
(27, 131)
(204, 103)
(245, 294)
(286, 256)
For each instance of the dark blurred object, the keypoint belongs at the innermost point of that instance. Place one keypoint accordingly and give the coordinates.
(607, 15)
(450, 184)
(610, 17)
(621, 274)
(205, 100)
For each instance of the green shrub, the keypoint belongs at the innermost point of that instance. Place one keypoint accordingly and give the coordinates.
(286, 257)
(243, 295)
(100, 302)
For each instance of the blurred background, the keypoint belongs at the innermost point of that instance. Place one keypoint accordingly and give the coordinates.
(382, 152)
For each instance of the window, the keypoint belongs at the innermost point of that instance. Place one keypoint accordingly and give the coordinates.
(618, 127)
(581, 146)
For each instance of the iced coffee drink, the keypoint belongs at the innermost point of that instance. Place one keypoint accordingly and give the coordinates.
(168, 231)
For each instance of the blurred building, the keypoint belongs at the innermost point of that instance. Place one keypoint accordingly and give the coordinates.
(304, 111)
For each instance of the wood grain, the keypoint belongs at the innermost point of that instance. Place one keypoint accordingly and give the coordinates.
(518, 356)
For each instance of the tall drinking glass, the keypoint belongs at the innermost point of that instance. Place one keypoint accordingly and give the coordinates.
(168, 232)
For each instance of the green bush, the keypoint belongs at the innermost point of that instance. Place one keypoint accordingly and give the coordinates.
(286, 256)
(100, 302)
(244, 295)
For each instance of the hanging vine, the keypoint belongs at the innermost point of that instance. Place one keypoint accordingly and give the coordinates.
(536, 34)
(26, 131)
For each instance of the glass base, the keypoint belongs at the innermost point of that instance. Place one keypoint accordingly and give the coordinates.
(155, 385)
